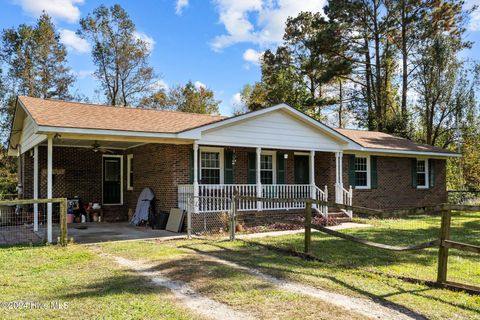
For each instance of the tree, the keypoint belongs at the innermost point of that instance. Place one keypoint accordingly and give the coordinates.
(298, 72)
(37, 61)
(184, 98)
(35, 64)
(444, 87)
(121, 58)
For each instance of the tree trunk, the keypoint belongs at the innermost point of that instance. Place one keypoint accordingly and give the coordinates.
(404, 54)
(368, 80)
(378, 75)
(340, 106)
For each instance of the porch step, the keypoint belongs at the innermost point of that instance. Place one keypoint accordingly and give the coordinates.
(339, 216)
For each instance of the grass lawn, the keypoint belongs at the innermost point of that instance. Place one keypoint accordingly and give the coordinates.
(96, 287)
(92, 286)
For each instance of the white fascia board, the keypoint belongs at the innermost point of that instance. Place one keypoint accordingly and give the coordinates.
(263, 146)
(403, 153)
(135, 134)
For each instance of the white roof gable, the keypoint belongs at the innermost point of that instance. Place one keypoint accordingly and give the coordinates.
(279, 127)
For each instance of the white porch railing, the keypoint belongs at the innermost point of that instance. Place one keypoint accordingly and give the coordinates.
(346, 199)
(214, 198)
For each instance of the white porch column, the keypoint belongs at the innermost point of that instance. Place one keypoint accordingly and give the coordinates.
(195, 178)
(35, 188)
(49, 187)
(259, 180)
(339, 177)
(312, 174)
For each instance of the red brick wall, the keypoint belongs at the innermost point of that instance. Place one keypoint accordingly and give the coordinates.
(395, 185)
(162, 167)
(76, 172)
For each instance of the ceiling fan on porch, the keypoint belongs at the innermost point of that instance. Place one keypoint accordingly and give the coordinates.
(96, 147)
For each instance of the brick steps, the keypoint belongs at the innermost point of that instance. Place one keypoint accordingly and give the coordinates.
(339, 216)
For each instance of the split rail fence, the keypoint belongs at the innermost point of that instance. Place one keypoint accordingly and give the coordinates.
(444, 243)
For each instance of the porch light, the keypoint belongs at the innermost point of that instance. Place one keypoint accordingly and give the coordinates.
(285, 156)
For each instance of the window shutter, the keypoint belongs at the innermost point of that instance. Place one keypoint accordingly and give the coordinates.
(252, 170)
(280, 168)
(431, 173)
(190, 165)
(373, 172)
(229, 171)
(351, 170)
(414, 173)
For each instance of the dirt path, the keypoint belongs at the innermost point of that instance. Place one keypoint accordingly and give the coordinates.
(365, 307)
(199, 304)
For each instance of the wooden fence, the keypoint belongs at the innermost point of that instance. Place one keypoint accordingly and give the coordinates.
(443, 242)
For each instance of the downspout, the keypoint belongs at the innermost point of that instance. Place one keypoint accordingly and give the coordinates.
(20, 170)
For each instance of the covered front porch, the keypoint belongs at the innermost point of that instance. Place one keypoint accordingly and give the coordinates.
(268, 173)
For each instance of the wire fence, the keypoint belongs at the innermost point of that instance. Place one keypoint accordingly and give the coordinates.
(210, 221)
(467, 197)
(27, 221)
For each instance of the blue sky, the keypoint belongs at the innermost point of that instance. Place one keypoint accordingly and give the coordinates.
(212, 42)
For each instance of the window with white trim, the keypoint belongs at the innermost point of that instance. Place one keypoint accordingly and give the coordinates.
(362, 172)
(130, 172)
(211, 166)
(422, 173)
(266, 169)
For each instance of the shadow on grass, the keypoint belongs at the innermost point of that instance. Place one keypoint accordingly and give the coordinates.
(283, 268)
(126, 283)
(283, 274)
(209, 276)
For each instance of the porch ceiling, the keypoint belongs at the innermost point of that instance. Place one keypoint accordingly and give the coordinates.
(60, 142)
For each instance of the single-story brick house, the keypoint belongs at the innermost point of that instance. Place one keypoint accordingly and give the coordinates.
(109, 154)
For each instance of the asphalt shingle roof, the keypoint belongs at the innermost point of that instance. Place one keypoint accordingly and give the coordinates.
(58, 113)
(380, 140)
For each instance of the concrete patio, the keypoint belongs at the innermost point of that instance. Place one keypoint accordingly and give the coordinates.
(94, 232)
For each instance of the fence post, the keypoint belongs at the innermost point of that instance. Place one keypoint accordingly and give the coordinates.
(233, 215)
(443, 251)
(308, 221)
(63, 223)
(189, 221)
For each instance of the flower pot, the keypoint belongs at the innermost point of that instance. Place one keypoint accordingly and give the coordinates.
(70, 218)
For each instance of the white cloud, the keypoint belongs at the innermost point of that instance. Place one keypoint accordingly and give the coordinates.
(147, 39)
(82, 74)
(160, 84)
(474, 24)
(236, 100)
(258, 21)
(60, 9)
(180, 5)
(199, 85)
(73, 42)
(252, 56)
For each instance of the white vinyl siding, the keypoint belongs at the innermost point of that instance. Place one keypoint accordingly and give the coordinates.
(29, 139)
(273, 130)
